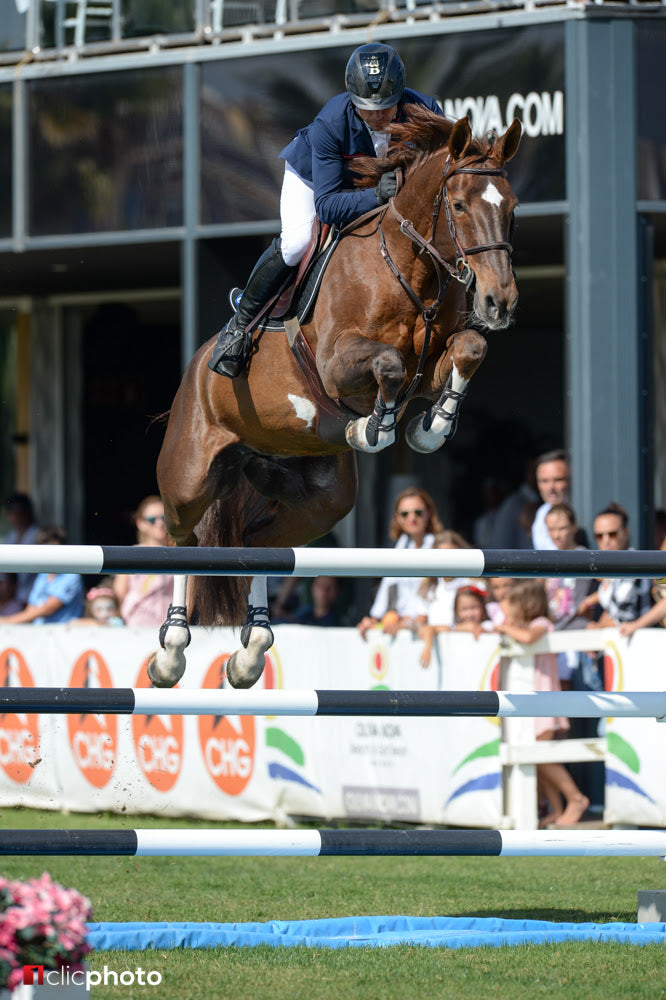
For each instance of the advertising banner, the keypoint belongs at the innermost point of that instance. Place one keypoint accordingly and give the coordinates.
(251, 768)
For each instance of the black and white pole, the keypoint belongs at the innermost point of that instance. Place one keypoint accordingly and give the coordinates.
(314, 843)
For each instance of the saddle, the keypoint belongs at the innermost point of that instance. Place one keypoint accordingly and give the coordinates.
(285, 312)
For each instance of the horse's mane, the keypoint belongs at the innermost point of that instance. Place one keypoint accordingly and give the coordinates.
(414, 140)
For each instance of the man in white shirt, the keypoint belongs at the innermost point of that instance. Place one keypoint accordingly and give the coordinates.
(553, 479)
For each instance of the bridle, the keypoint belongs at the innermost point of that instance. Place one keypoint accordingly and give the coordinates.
(444, 270)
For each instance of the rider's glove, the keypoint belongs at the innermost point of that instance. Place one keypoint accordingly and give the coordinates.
(387, 187)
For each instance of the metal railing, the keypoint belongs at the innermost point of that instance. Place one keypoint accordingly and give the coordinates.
(51, 29)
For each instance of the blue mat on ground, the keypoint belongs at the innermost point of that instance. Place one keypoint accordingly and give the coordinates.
(366, 932)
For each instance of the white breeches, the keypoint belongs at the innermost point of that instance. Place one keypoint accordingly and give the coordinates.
(297, 212)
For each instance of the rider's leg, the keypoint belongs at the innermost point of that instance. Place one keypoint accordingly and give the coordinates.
(231, 353)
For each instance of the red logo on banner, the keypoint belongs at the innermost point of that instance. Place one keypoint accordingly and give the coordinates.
(227, 741)
(158, 743)
(93, 738)
(19, 731)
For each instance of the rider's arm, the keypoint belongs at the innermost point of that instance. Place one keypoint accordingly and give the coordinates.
(336, 203)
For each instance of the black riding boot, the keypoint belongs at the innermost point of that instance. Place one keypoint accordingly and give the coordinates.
(234, 343)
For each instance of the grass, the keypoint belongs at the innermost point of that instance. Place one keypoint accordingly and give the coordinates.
(246, 889)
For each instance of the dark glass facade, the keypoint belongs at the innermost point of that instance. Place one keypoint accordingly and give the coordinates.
(106, 152)
(651, 68)
(6, 186)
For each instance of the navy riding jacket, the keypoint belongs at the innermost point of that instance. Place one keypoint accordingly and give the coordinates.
(321, 152)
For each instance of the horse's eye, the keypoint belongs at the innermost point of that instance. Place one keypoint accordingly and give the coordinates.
(458, 206)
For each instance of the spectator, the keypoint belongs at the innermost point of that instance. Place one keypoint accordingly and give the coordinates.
(565, 595)
(498, 591)
(21, 516)
(55, 597)
(145, 597)
(656, 615)
(526, 621)
(437, 596)
(413, 525)
(512, 523)
(553, 479)
(9, 603)
(494, 492)
(102, 606)
(469, 615)
(324, 607)
(621, 600)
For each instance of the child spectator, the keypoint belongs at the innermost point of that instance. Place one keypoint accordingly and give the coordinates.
(498, 591)
(526, 621)
(469, 615)
(102, 606)
(55, 597)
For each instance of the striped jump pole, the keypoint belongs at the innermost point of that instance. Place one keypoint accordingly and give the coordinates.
(214, 701)
(305, 562)
(315, 843)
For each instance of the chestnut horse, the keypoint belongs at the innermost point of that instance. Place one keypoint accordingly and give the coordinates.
(242, 462)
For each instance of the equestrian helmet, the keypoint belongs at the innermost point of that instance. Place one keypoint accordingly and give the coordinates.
(375, 77)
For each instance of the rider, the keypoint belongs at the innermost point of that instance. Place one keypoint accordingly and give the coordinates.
(355, 123)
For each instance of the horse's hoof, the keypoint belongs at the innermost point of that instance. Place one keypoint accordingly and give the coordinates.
(424, 442)
(243, 677)
(356, 439)
(165, 673)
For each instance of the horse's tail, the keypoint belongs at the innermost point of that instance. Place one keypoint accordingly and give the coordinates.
(221, 600)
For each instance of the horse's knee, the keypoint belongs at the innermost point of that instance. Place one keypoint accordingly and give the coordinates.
(389, 370)
(469, 350)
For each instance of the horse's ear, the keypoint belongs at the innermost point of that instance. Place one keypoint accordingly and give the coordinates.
(507, 146)
(459, 140)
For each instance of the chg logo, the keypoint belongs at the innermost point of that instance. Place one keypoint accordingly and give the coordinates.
(19, 731)
(93, 738)
(227, 741)
(158, 743)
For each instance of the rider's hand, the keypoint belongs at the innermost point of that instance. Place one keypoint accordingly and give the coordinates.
(387, 187)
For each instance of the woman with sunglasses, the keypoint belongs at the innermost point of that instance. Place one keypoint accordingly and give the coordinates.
(414, 524)
(145, 597)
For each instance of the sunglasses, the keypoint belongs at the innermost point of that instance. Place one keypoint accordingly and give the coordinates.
(416, 513)
(606, 534)
(154, 518)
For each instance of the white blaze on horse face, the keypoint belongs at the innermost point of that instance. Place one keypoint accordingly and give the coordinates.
(304, 409)
(492, 195)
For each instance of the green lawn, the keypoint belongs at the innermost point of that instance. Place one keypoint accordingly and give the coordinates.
(245, 889)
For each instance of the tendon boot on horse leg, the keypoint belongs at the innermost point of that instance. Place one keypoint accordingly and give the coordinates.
(167, 665)
(234, 344)
(430, 430)
(246, 665)
(376, 432)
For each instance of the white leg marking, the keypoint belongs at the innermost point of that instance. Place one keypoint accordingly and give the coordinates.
(246, 665)
(167, 666)
(492, 195)
(427, 441)
(304, 409)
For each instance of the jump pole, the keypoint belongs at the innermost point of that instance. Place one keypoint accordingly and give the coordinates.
(315, 843)
(215, 701)
(305, 562)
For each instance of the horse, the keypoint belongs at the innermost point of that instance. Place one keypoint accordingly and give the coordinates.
(244, 462)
